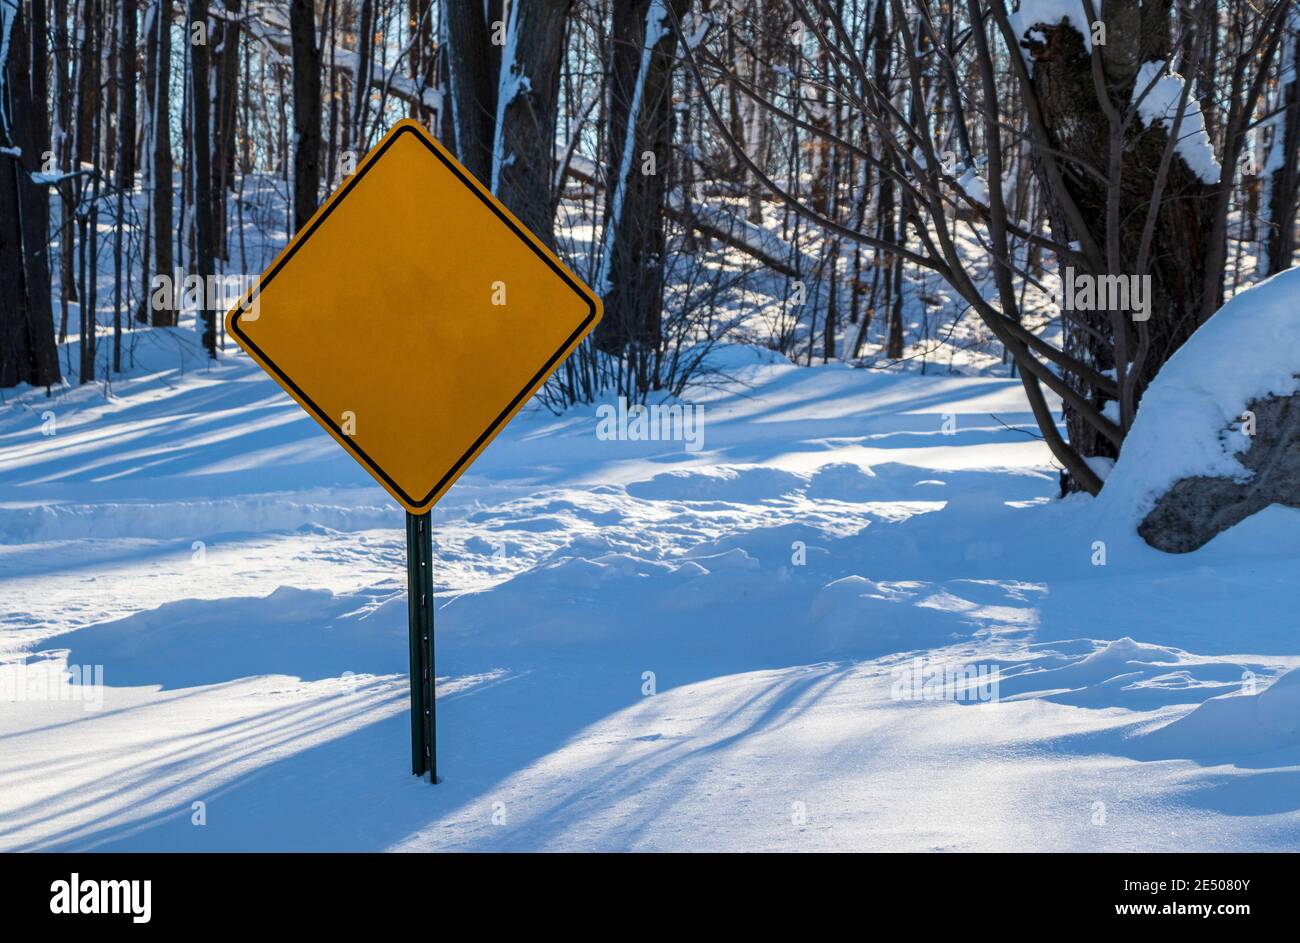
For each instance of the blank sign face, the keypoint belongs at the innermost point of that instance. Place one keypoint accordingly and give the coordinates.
(413, 316)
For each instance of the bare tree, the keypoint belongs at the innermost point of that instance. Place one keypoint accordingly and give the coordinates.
(1136, 208)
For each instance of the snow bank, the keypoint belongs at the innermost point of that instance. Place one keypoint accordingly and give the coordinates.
(1163, 91)
(1238, 723)
(857, 613)
(304, 633)
(344, 510)
(1248, 350)
(719, 483)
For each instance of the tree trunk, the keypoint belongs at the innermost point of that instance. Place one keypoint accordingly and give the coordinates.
(474, 65)
(126, 111)
(890, 230)
(27, 350)
(225, 97)
(1283, 170)
(630, 277)
(202, 173)
(125, 166)
(88, 142)
(87, 85)
(62, 146)
(306, 111)
(523, 147)
(164, 315)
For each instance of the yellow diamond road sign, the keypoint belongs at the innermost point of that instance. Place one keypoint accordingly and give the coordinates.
(413, 316)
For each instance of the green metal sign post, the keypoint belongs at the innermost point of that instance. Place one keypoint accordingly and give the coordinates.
(419, 597)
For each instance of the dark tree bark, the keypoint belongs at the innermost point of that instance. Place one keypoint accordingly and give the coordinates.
(126, 111)
(201, 175)
(306, 111)
(125, 166)
(87, 83)
(149, 80)
(640, 129)
(226, 41)
(165, 315)
(27, 350)
(474, 65)
(88, 138)
(1284, 182)
(890, 229)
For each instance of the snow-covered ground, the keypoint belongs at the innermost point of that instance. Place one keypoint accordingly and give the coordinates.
(639, 646)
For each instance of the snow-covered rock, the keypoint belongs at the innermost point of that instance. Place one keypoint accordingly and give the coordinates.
(1217, 436)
